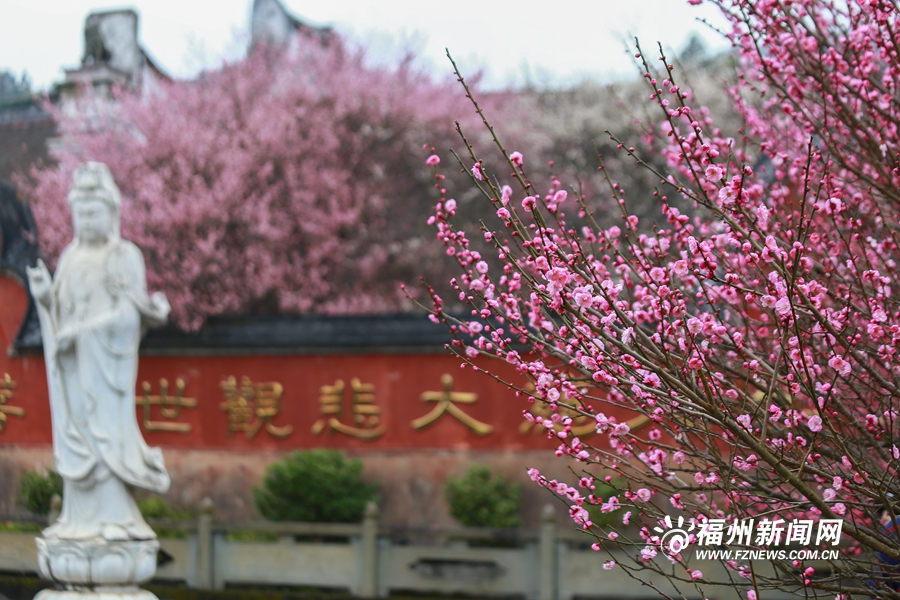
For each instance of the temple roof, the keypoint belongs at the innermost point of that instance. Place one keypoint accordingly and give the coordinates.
(271, 22)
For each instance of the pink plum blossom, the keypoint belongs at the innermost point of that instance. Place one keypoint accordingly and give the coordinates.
(719, 339)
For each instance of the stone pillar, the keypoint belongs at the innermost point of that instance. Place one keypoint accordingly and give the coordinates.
(205, 574)
(368, 585)
(547, 555)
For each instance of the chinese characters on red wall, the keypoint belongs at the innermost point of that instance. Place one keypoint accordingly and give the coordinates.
(382, 401)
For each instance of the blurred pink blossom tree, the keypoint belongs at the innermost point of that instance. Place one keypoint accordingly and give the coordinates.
(285, 182)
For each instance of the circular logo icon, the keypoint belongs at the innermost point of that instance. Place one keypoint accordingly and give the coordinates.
(675, 538)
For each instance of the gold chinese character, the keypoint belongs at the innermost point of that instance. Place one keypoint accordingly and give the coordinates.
(366, 415)
(252, 406)
(637, 423)
(446, 400)
(169, 406)
(7, 385)
(582, 425)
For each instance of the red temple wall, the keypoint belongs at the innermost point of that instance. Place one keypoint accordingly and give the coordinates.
(222, 419)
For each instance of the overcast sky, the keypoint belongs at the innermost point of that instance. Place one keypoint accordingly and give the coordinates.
(551, 43)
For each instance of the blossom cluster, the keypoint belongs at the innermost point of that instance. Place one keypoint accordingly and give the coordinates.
(756, 336)
(287, 181)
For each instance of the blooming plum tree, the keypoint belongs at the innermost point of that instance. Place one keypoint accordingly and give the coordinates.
(756, 340)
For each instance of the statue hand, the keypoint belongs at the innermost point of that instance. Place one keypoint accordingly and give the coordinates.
(65, 338)
(160, 303)
(39, 282)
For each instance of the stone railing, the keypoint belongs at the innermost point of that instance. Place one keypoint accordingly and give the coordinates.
(371, 562)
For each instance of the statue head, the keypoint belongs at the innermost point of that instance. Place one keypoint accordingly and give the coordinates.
(96, 202)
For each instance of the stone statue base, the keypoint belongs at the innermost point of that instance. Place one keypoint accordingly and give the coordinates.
(97, 569)
(97, 593)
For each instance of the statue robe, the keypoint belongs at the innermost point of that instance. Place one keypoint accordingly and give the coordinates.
(99, 296)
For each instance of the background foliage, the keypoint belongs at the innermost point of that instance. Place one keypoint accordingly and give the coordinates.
(314, 486)
(482, 498)
(36, 490)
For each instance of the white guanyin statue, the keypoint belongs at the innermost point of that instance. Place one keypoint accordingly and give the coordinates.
(92, 314)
